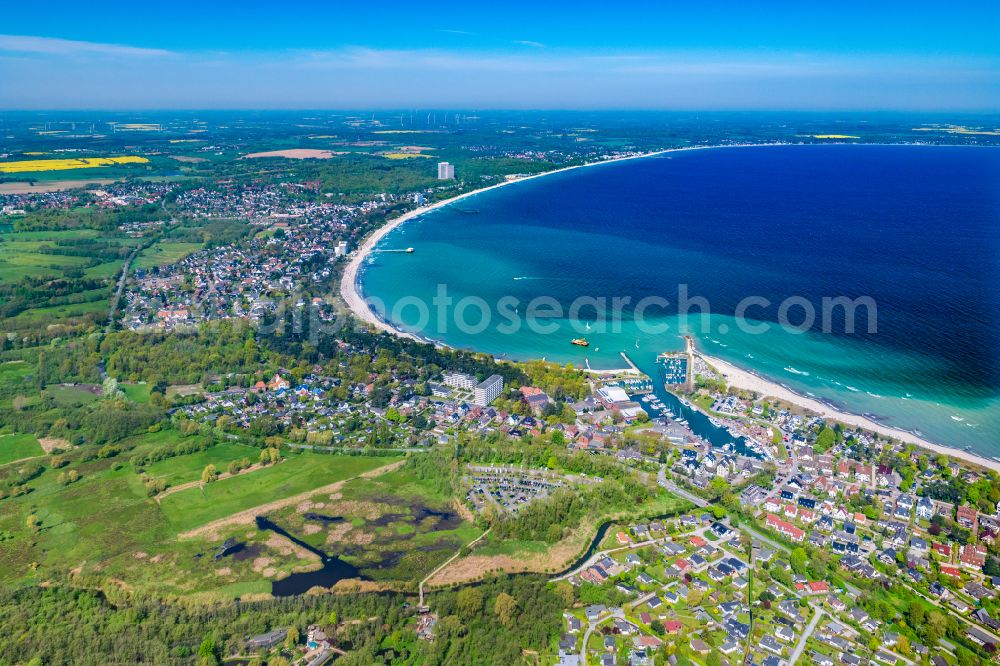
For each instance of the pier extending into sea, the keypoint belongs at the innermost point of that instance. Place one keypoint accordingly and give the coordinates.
(630, 364)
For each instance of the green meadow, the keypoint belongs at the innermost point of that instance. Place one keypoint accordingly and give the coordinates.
(15, 446)
(105, 523)
(18, 260)
(182, 469)
(393, 527)
(105, 270)
(70, 396)
(50, 314)
(163, 253)
(14, 372)
(22, 255)
(194, 507)
(137, 393)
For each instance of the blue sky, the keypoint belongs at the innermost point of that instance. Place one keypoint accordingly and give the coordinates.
(662, 55)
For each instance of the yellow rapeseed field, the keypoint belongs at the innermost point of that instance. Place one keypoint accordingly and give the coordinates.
(24, 166)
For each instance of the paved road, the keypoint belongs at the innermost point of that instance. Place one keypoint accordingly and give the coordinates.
(805, 636)
(599, 555)
(586, 637)
(112, 310)
(677, 490)
(757, 536)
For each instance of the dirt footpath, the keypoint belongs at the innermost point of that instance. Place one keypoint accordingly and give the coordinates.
(248, 516)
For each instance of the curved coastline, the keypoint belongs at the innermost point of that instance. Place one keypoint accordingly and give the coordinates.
(350, 291)
(752, 381)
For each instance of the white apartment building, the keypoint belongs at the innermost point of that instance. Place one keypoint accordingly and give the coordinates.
(487, 390)
(446, 171)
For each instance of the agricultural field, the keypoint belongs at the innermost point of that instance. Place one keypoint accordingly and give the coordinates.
(13, 372)
(403, 156)
(97, 303)
(34, 187)
(293, 154)
(106, 270)
(25, 166)
(15, 378)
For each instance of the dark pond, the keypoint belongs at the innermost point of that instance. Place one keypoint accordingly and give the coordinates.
(335, 569)
(229, 547)
(245, 552)
(332, 571)
(320, 518)
(415, 512)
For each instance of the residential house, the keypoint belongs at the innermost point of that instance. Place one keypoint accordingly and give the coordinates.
(973, 556)
(967, 517)
(925, 508)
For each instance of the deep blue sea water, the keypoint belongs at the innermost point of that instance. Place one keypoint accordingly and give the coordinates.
(914, 228)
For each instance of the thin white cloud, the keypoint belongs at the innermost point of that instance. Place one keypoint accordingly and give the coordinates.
(451, 31)
(550, 60)
(429, 60)
(511, 77)
(528, 42)
(69, 47)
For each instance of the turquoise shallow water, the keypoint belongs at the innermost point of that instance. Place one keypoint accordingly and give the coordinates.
(916, 229)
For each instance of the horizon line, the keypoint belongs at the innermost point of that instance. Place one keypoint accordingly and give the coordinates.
(470, 109)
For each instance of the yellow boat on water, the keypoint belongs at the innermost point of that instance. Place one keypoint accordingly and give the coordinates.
(582, 342)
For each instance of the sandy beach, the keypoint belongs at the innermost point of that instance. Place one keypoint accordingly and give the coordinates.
(744, 379)
(349, 288)
(737, 377)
